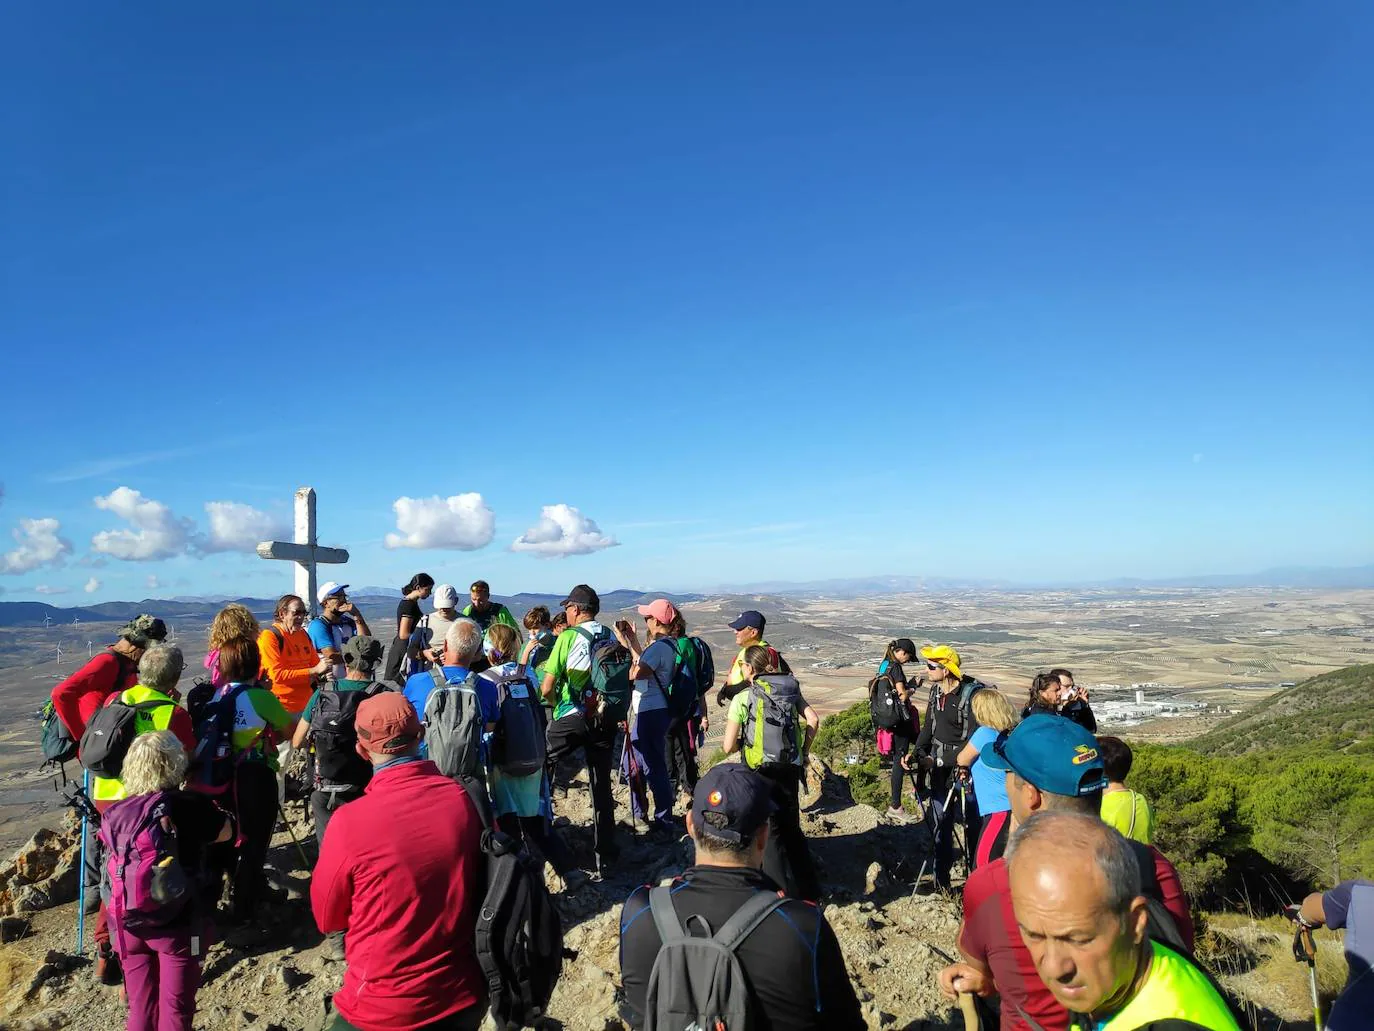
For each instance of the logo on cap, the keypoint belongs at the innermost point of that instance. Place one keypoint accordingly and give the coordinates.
(714, 798)
(1083, 754)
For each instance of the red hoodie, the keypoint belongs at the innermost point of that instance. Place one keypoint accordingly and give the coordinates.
(399, 871)
(86, 690)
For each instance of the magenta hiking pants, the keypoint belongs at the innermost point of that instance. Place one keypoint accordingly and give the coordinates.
(161, 976)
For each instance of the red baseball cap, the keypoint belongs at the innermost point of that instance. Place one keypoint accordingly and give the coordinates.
(660, 608)
(387, 723)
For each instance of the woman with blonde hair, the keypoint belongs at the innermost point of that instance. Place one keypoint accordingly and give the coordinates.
(160, 916)
(995, 715)
(232, 621)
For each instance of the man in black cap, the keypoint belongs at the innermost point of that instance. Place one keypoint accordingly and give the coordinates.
(791, 960)
(748, 627)
(567, 672)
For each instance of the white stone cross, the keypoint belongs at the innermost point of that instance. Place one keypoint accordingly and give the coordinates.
(304, 550)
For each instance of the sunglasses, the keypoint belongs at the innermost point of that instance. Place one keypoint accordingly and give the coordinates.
(933, 666)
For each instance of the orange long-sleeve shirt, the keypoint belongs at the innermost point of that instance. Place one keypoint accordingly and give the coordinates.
(288, 666)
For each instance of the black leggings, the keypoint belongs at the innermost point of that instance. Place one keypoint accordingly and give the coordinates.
(901, 744)
(787, 852)
(535, 831)
(682, 758)
(255, 807)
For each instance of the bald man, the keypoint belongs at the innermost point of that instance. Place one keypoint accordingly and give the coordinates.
(1076, 892)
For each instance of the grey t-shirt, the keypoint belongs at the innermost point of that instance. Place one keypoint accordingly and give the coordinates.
(1350, 904)
(660, 657)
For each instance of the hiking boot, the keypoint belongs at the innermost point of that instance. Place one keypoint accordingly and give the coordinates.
(897, 814)
(107, 968)
(333, 948)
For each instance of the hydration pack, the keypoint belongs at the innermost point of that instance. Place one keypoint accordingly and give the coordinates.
(606, 697)
(697, 980)
(333, 728)
(111, 731)
(519, 939)
(684, 685)
(772, 722)
(453, 726)
(519, 745)
(143, 883)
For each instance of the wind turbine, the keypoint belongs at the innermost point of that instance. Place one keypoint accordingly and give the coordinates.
(47, 621)
(171, 634)
(59, 658)
(76, 621)
(90, 649)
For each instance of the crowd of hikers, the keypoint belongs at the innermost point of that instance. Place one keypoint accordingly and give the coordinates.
(432, 763)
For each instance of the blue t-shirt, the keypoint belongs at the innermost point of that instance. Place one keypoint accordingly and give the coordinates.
(332, 635)
(419, 685)
(661, 658)
(989, 786)
(1350, 905)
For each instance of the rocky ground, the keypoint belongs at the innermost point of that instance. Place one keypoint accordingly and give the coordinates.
(275, 976)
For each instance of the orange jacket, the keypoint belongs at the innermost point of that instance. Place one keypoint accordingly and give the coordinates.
(288, 666)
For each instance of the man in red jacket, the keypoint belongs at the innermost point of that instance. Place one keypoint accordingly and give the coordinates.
(1051, 763)
(400, 872)
(113, 670)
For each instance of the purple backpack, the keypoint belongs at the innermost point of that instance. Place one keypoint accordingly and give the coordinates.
(143, 883)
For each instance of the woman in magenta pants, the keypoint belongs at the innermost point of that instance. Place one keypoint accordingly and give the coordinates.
(162, 955)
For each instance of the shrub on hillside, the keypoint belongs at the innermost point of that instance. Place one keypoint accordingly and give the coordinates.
(849, 732)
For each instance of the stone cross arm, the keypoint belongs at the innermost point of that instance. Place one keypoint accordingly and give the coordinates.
(300, 552)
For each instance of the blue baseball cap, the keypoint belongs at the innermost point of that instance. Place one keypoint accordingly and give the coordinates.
(749, 617)
(743, 798)
(1052, 752)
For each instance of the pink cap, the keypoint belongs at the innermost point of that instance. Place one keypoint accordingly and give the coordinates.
(661, 609)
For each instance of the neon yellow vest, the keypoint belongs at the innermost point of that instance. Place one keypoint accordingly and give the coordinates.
(1174, 989)
(109, 789)
(737, 675)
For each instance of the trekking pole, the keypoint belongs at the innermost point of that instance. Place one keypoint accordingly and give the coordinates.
(967, 1006)
(81, 894)
(1305, 951)
(305, 861)
(934, 835)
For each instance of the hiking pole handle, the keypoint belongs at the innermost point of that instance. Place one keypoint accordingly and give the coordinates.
(969, 1010)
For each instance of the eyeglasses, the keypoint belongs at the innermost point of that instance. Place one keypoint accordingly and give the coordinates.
(295, 612)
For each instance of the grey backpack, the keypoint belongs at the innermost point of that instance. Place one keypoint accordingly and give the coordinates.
(697, 980)
(453, 726)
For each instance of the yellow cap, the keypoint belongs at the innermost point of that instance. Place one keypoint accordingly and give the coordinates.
(944, 655)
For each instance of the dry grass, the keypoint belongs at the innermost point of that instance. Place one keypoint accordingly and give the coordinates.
(1254, 957)
(15, 970)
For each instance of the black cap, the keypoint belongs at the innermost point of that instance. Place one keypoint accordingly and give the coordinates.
(749, 617)
(737, 793)
(904, 644)
(582, 596)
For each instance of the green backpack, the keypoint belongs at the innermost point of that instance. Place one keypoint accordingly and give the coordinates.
(605, 699)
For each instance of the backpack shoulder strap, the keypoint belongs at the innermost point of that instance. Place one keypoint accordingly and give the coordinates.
(151, 704)
(479, 799)
(754, 912)
(669, 926)
(281, 638)
(586, 635)
(437, 674)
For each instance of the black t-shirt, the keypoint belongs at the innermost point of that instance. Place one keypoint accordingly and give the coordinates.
(408, 607)
(796, 973)
(895, 671)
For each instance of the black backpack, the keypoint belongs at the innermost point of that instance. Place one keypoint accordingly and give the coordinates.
(884, 704)
(337, 762)
(214, 761)
(111, 731)
(519, 940)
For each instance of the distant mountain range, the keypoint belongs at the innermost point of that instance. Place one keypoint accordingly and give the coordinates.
(33, 613)
(29, 613)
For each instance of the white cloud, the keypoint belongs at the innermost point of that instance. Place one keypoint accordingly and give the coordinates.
(159, 532)
(152, 583)
(49, 589)
(92, 585)
(462, 522)
(562, 530)
(235, 526)
(39, 545)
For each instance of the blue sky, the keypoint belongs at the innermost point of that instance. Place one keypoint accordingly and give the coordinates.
(787, 291)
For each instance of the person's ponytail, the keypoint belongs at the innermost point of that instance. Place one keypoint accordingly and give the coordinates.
(417, 582)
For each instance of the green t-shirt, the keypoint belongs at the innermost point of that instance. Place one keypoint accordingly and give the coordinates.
(1129, 812)
(342, 685)
(570, 665)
